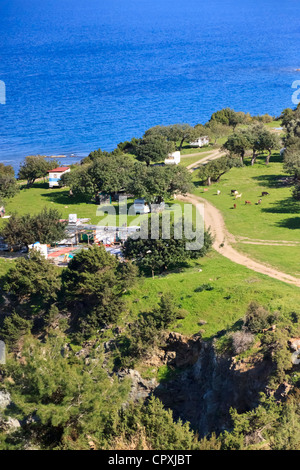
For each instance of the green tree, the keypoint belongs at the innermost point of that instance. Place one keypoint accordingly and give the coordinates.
(216, 130)
(146, 331)
(259, 421)
(288, 115)
(237, 144)
(228, 117)
(153, 148)
(109, 174)
(93, 285)
(175, 133)
(33, 281)
(292, 153)
(100, 154)
(166, 313)
(34, 167)
(292, 161)
(8, 184)
(25, 230)
(296, 192)
(158, 255)
(261, 139)
(150, 424)
(129, 147)
(183, 133)
(13, 328)
(255, 137)
(269, 142)
(257, 318)
(212, 171)
(70, 401)
(155, 183)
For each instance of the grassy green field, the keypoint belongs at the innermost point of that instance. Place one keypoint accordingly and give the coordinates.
(277, 218)
(4, 266)
(234, 287)
(33, 200)
(187, 149)
(283, 258)
(186, 161)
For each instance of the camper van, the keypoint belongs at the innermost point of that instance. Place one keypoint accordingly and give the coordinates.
(141, 207)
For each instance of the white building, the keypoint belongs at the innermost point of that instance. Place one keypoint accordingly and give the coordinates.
(173, 159)
(42, 248)
(200, 142)
(73, 220)
(141, 207)
(56, 174)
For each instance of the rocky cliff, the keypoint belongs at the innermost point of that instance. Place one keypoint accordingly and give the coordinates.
(206, 390)
(207, 384)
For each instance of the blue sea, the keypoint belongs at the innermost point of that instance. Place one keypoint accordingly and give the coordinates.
(87, 74)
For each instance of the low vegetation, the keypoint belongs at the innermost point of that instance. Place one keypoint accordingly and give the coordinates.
(77, 337)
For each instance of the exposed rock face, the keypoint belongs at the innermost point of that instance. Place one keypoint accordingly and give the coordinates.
(140, 388)
(2, 353)
(208, 386)
(184, 351)
(5, 399)
(204, 393)
(179, 351)
(7, 424)
(295, 346)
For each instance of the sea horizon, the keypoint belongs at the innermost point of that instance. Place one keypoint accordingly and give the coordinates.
(78, 78)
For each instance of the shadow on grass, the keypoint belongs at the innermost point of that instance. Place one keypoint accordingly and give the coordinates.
(38, 185)
(292, 223)
(63, 197)
(199, 184)
(269, 181)
(207, 147)
(285, 206)
(261, 159)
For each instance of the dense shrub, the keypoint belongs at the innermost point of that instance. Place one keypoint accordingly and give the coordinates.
(204, 287)
(257, 318)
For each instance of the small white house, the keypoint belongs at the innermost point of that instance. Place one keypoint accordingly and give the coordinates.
(173, 159)
(141, 207)
(42, 248)
(200, 142)
(56, 174)
(73, 219)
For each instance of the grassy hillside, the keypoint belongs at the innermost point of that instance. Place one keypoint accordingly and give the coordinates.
(33, 200)
(234, 287)
(275, 219)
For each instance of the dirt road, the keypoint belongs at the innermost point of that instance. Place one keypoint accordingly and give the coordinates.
(223, 241)
(211, 156)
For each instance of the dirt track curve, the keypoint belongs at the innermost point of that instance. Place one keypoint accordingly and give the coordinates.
(223, 240)
(211, 156)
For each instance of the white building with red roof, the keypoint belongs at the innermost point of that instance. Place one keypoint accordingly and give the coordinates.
(56, 174)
